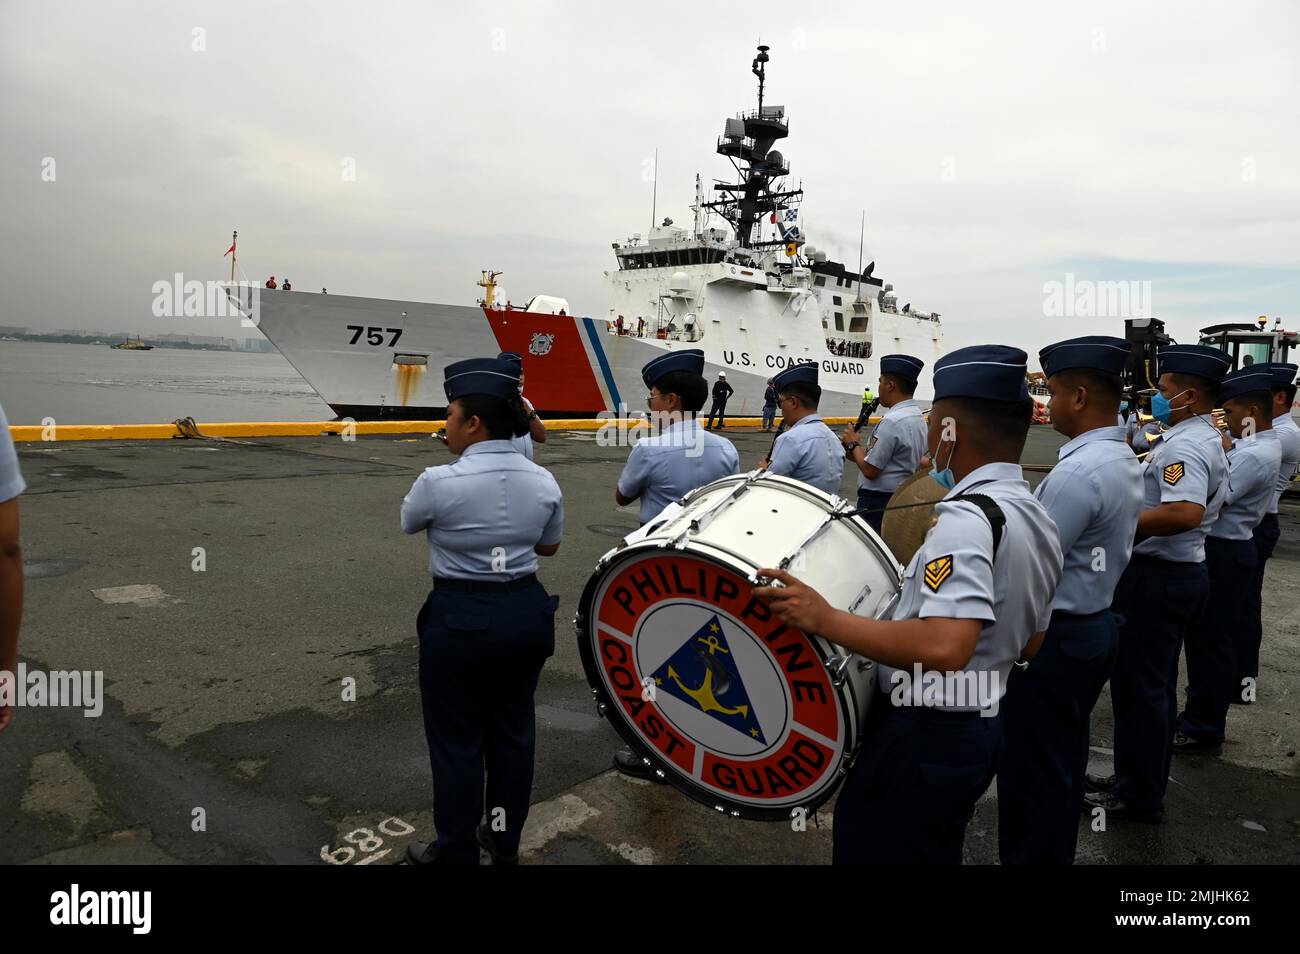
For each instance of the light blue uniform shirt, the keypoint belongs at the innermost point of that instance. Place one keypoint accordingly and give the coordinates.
(810, 451)
(1142, 436)
(11, 478)
(484, 513)
(1094, 496)
(954, 575)
(1288, 436)
(896, 447)
(1253, 465)
(672, 463)
(1188, 464)
(523, 444)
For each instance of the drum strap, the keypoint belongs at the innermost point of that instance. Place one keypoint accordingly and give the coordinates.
(992, 512)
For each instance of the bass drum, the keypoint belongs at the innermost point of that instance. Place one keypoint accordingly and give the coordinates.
(737, 710)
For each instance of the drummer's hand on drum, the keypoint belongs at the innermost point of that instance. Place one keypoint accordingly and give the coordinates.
(764, 463)
(794, 602)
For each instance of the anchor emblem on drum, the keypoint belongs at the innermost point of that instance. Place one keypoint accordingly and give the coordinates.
(701, 671)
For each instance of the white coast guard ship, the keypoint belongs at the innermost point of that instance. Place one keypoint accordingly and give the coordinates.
(741, 284)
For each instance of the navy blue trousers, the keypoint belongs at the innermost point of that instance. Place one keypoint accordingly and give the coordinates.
(1212, 638)
(876, 500)
(1045, 725)
(1156, 599)
(1251, 625)
(913, 788)
(480, 657)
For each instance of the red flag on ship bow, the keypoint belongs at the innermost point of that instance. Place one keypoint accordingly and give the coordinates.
(228, 251)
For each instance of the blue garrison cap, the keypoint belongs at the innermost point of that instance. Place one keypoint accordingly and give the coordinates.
(1102, 353)
(514, 357)
(1283, 374)
(903, 365)
(991, 372)
(800, 373)
(1199, 360)
(494, 376)
(1244, 381)
(691, 359)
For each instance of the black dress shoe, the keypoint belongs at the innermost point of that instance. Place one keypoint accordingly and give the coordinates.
(1116, 808)
(1191, 745)
(420, 853)
(1098, 783)
(498, 858)
(629, 763)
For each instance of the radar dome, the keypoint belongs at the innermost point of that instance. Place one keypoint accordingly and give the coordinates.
(680, 282)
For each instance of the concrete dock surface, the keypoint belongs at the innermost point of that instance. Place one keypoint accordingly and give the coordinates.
(225, 685)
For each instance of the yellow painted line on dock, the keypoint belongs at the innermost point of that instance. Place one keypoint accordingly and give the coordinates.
(151, 432)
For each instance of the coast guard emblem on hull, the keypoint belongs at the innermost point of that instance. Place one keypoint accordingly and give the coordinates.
(541, 343)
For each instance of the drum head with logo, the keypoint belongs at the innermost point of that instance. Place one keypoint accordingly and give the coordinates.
(738, 710)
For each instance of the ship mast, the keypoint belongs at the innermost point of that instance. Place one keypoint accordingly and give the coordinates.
(747, 141)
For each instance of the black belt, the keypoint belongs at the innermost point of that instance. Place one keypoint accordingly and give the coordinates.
(1077, 617)
(484, 586)
(1148, 560)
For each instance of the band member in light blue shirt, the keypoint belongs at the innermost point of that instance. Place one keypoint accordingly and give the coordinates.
(1184, 482)
(1230, 557)
(1093, 495)
(975, 596)
(488, 625)
(11, 563)
(898, 442)
(1269, 530)
(807, 449)
(669, 465)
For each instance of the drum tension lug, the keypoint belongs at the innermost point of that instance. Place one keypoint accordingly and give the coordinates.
(836, 665)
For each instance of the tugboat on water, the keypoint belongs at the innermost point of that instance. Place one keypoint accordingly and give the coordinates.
(128, 345)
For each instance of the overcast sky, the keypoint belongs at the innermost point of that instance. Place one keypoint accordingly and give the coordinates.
(993, 146)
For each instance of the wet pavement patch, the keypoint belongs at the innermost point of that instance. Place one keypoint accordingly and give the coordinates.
(41, 569)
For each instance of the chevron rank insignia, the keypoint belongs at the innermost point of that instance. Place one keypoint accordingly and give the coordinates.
(938, 570)
(1173, 473)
